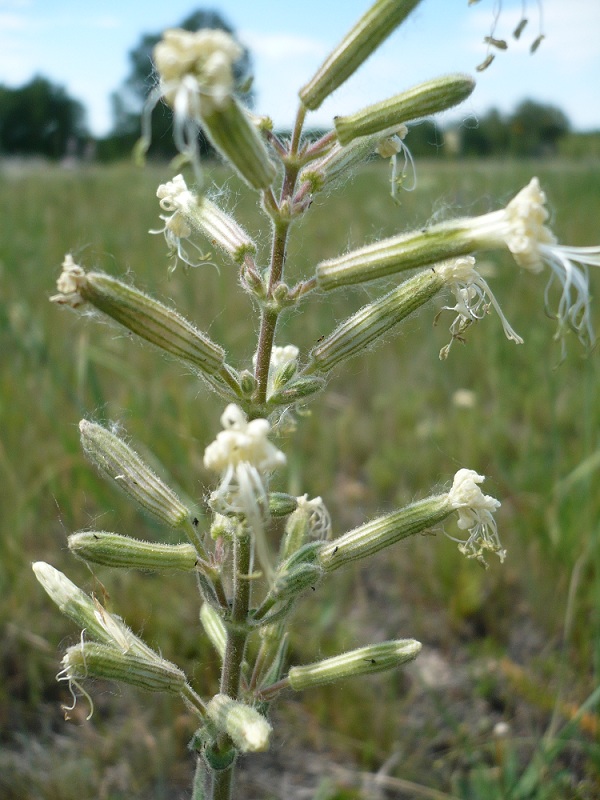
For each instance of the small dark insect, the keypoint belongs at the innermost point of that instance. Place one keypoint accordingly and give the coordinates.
(96, 536)
(320, 339)
(195, 522)
(371, 660)
(335, 549)
(313, 588)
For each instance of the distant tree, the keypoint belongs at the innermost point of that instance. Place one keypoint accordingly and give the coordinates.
(532, 130)
(487, 136)
(425, 139)
(535, 129)
(40, 118)
(128, 101)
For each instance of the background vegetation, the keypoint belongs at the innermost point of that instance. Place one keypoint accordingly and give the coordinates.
(495, 706)
(40, 118)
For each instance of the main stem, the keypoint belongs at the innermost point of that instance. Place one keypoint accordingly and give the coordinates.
(237, 631)
(281, 224)
(237, 637)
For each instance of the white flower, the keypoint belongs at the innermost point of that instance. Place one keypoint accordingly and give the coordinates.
(473, 299)
(282, 356)
(319, 518)
(196, 69)
(242, 442)
(525, 216)
(521, 227)
(69, 284)
(281, 359)
(389, 147)
(178, 200)
(475, 515)
(195, 78)
(244, 457)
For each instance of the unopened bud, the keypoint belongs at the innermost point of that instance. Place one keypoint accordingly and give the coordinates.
(248, 729)
(247, 383)
(139, 313)
(281, 504)
(397, 254)
(310, 520)
(299, 389)
(363, 661)
(222, 230)
(214, 627)
(281, 375)
(340, 160)
(299, 571)
(90, 660)
(420, 101)
(275, 642)
(384, 531)
(71, 600)
(364, 38)
(118, 461)
(114, 550)
(234, 135)
(375, 319)
(87, 613)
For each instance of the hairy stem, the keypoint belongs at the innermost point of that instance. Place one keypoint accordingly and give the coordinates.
(237, 636)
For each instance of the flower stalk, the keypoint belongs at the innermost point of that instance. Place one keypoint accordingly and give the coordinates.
(248, 582)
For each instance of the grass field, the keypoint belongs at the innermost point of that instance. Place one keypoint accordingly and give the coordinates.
(516, 644)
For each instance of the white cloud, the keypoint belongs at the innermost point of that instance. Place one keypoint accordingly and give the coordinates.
(10, 21)
(107, 22)
(572, 31)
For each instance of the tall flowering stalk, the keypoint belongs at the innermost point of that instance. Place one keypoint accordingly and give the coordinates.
(247, 587)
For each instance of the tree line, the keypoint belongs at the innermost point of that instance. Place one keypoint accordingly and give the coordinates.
(41, 119)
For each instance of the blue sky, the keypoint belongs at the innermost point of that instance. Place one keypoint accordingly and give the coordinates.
(83, 46)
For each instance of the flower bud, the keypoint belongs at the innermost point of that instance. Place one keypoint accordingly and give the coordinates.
(142, 315)
(384, 531)
(223, 230)
(236, 138)
(280, 375)
(276, 644)
(214, 628)
(363, 661)
(299, 389)
(281, 504)
(248, 729)
(341, 159)
(90, 660)
(372, 321)
(364, 38)
(310, 520)
(113, 550)
(71, 600)
(420, 101)
(396, 254)
(299, 571)
(118, 461)
(87, 613)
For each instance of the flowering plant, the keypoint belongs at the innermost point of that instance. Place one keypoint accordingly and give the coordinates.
(246, 591)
